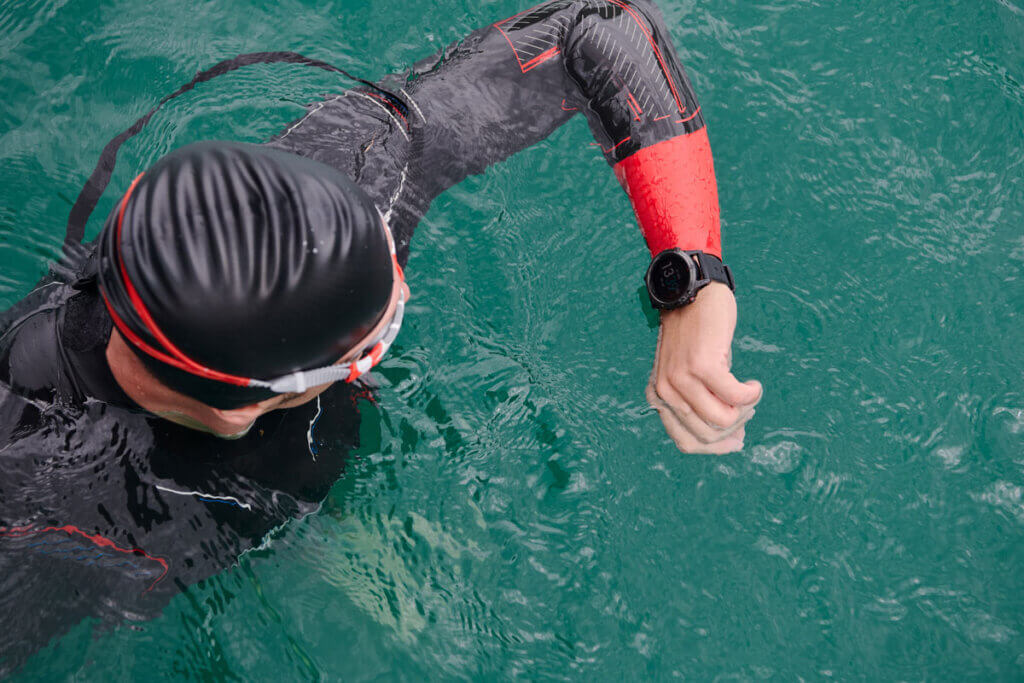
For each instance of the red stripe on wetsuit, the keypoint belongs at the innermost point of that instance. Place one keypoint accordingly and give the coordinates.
(672, 187)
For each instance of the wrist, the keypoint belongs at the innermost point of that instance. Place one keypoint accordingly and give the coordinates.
(715, 290)
(715, 295)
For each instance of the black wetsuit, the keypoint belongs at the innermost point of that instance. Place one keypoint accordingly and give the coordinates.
(108, 511)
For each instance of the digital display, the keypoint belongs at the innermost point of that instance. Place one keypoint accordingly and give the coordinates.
(671, 277)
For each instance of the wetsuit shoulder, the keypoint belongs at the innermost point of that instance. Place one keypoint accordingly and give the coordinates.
(58, 350)
(30, 359)
(84, 329)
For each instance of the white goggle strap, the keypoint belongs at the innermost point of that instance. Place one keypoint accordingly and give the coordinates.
(298, 382)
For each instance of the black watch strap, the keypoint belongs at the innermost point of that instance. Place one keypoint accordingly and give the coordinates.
(712, 268)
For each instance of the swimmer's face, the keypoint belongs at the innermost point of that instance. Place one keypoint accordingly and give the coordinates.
(236, 423)
(152, 395)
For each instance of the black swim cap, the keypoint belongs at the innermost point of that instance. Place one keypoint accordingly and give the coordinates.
(249, 260)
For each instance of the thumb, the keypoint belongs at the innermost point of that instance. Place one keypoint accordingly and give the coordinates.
(754, 391)
(733, 392)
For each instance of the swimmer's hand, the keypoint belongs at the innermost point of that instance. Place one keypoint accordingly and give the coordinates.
(703, 407)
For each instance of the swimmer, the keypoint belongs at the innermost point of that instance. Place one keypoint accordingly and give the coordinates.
(239, 290)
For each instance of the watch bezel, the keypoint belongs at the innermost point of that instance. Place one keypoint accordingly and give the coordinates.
(696, 283)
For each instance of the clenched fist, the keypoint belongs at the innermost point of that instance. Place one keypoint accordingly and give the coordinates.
(703, 406)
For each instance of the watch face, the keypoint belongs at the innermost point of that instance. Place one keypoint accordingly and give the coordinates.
(670, 278)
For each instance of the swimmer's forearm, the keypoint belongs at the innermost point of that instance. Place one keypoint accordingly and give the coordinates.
(644, 113)
(660, 148)
(674, 194)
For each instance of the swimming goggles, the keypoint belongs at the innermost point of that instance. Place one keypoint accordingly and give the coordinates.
(298, 382)
(295, 382)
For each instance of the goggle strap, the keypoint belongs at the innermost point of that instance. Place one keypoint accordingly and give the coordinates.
(298, 382)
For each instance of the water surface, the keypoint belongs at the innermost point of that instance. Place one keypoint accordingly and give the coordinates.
(515, 509)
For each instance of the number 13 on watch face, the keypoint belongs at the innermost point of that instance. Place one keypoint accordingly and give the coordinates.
(670, 278)
(675, 276)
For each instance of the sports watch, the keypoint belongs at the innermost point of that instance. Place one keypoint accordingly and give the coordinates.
(675, 276)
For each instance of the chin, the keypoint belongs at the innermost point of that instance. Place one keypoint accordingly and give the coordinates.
(224, 431)
(236, 434)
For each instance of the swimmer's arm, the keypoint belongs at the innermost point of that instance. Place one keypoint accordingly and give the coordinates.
(643, 111)
(507, 86)
(662, 157)
(510, 85)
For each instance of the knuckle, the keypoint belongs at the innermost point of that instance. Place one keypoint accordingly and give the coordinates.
(730, 416)
(699, 370)
(688, 445)
(663, 387)
(705, 439)
(710, 435)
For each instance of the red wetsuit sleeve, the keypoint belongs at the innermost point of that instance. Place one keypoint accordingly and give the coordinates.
(672, 187)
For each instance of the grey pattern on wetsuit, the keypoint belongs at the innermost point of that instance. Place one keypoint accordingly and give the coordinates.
(108, 512)
(501, 89)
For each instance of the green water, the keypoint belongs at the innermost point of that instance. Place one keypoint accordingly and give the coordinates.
(515, 510)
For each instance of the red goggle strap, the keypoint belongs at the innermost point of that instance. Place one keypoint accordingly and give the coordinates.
(173, 355)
